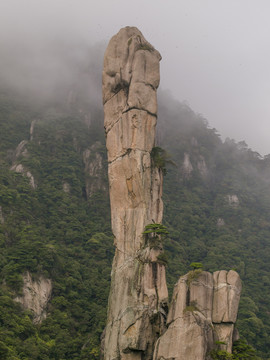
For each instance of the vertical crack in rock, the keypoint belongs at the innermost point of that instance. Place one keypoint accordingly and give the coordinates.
(138, 295)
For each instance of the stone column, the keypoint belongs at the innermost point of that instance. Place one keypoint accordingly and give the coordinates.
(138, 295)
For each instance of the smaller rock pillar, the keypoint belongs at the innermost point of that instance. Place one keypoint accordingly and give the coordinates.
(203, 310)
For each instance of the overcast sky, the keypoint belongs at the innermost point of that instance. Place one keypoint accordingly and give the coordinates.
(216, 53)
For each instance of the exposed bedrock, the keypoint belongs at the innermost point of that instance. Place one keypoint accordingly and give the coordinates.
(35, 296)
(203, 312)
(138, 295)
(204, 306)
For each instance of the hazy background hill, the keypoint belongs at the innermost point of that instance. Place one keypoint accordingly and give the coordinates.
(55, 215)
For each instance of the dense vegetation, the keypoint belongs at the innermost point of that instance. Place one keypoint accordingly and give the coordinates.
(217, 212)
(52, 232)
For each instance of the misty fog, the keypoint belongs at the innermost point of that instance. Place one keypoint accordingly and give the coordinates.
(215, 54)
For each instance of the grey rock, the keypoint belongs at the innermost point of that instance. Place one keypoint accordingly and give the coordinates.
(187, 167)
(232, 200)
(36, 295)
(32, 129)
(18, 168)
(94, 170)
(202, 167)
(21, 149)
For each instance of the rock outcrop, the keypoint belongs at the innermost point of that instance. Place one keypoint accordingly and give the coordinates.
(201, 165)
(21, 149)
(138, 296)
(227, 290)
(36, 294)
(94, 170)
(232, 200)
(32, 129)
(204, 306)
(22, 152)
(203, 311)
(18, 168)
(187, 167)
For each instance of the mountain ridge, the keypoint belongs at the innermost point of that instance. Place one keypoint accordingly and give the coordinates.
(49, 230)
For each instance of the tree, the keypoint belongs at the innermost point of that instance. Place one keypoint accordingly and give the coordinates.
(161, 158)
(196, 265)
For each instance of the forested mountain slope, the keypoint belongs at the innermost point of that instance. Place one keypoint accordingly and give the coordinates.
(55, 220)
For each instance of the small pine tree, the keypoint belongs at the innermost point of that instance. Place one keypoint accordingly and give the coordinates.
(196, 265)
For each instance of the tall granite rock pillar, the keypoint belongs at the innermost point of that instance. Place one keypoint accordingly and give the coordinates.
(138, 295)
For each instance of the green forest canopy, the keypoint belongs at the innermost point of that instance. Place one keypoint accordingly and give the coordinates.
(66, 235)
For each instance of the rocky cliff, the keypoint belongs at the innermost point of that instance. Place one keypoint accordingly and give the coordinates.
(138, 296)
(204, 306)
(36, 295)
(201, 317)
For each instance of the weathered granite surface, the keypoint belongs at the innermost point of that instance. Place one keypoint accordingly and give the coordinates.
(138, 296)
(203, 311)
(204, 306)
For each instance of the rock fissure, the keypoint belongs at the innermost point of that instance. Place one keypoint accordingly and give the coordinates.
(128, 151)
(114, 94)
(109, 128)
(140, 109)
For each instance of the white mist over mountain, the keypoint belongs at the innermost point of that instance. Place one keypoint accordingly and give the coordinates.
(215, 53)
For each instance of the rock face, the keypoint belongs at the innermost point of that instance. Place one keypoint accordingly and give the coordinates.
(201, 165)
(138, 296)
(21, 152)
(32, 128)
(187, 167)
(204, 306)
(227, 290)
(203, 310)
(36, 294)
(18, 168)
(232, 200)
(94, 170)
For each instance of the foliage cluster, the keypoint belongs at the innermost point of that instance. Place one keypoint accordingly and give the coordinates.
(193, 275)
(241, 351)
(155, 230)
(160, 159)
(62, 235)
(66, 236)
(154, 235)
